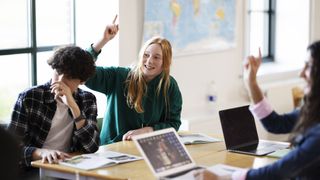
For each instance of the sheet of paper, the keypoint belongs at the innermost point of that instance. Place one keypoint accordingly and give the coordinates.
(279, 153)
(99, 160)
(223, 170)
(116, 156)
(86, 162)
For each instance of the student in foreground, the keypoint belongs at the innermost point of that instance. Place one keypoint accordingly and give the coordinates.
(140, 99)
(57, 117)
(9, 155)
(303, 162)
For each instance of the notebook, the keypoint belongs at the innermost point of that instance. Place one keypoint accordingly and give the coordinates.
(197, 138)
(240, 133)
(98, 160)
(165, 154)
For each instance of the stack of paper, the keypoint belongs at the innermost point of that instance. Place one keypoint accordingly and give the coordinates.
(98, 160)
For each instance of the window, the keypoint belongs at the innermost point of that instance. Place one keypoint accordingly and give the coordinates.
(292, 31)
(281, 29)
(262, 27)
(14, 76)
(31, 30)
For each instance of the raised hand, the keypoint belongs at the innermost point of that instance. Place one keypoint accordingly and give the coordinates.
(111, 30)
(251, 67)
(109, 33)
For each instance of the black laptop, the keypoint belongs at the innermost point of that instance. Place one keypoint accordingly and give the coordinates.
(240, 133)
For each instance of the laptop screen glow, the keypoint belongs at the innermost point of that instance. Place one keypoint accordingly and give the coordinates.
(164, 152)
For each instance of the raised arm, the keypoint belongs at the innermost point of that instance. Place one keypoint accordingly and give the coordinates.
(109, 33)
(251, 68)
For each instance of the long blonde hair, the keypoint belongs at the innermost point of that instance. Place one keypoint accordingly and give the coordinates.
(136, 84)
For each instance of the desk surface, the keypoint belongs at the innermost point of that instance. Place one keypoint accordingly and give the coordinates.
(204, 154)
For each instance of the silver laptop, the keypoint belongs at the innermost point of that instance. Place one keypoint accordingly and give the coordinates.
(240, 133)
(165, 154)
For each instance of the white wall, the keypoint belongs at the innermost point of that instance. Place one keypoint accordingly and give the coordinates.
(224, 67)
(314, 20)
(194, 73)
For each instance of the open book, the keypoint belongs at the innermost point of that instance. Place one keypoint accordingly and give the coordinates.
(98, 160)
(197, 138)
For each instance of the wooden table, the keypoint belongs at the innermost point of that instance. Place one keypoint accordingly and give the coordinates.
(203, 154)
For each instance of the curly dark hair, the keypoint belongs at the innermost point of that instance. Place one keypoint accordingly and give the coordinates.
(73, 62)
(310, 111)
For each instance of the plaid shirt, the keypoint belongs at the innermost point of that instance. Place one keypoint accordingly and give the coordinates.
(32, 116)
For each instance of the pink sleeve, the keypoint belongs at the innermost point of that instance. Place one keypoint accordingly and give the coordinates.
(240, 174)
(262, 109)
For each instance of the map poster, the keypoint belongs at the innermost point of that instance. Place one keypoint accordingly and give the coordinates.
(192, 26)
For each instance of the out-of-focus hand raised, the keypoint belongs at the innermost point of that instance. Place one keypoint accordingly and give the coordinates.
(111, 30)
(252, 65)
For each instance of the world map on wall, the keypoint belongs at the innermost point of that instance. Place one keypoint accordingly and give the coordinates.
(192, 26)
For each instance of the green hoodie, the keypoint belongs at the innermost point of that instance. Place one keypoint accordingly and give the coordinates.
(119, 118)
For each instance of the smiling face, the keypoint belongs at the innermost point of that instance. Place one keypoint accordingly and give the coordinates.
(152, 62)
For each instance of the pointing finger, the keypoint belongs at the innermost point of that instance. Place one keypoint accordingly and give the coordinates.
(115, 18)
(259, 53)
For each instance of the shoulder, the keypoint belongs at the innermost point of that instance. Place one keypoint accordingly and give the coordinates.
(113, 69)
(85, 95)
(173, 83)
(314, 131)
(123, 70)
(36, 92)
(174, 87)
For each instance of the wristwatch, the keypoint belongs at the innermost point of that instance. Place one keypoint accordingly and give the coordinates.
(79, 118)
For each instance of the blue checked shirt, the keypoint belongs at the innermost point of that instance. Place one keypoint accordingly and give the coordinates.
(32, 116)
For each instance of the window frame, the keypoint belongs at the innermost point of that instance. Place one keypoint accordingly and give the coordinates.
(271, 29)
(33, 48)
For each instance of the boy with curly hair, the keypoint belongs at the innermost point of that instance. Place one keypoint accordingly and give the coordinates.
(57, 117)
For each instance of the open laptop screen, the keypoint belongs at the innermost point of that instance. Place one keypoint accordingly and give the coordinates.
(238, 127)
(164, 151)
